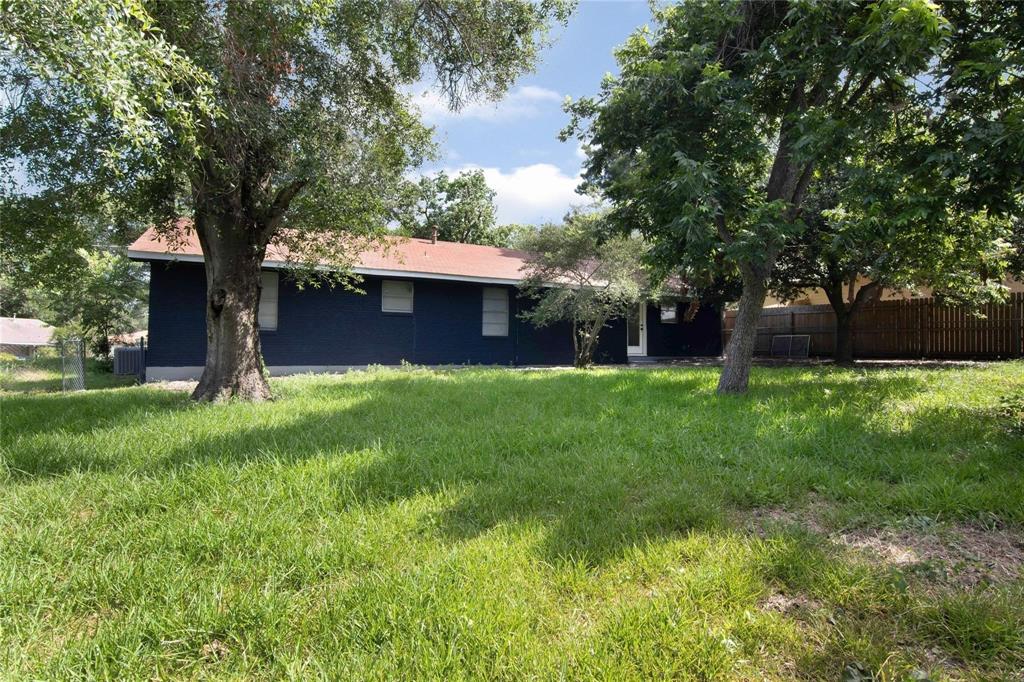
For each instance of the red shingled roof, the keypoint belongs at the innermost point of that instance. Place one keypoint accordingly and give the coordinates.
(405, 255)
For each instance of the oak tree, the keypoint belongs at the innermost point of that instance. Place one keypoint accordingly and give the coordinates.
(307, 139)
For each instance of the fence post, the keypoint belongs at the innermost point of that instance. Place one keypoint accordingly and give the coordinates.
(926, 328)
(1018, 310)
(141, 372)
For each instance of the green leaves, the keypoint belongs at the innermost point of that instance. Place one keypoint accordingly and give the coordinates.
(293, 118)
(460, 208)
(115, 55)
(598, 276)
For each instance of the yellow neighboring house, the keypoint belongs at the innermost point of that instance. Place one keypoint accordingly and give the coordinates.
(818, 297)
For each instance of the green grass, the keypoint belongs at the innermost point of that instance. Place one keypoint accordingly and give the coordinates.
(43, 375)
(490, 524)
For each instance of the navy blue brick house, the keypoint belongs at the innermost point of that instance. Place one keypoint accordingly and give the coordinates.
(412, 310)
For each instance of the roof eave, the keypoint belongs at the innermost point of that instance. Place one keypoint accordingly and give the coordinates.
(373, 272)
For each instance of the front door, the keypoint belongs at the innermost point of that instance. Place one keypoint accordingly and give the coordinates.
(636, 330)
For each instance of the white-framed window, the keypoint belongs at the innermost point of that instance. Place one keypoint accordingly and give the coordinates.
(268, 300)
(495, 311)
(395, 296)
(669, 313)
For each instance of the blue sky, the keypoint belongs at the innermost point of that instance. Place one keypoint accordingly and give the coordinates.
(515, 141)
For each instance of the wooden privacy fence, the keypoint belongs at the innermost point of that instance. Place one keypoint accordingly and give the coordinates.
(919, 328)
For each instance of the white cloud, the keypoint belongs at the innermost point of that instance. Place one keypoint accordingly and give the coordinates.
(526, 101)
(530, 194)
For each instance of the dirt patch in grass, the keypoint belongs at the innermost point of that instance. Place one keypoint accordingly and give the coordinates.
(173, 385)
(789, 604)
(962, 555)
(761, 521)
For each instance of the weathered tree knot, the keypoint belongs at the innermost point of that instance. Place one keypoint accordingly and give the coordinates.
(217, 298)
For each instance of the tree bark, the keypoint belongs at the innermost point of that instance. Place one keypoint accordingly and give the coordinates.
(845, 311)
(739, 354)
(233, 254)
(584, 350)
(788, 181)
(585, 343)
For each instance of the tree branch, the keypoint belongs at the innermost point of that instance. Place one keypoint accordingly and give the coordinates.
(866, 294)
(801, 186)
(280, 204)
(723, 231)
(861, 89)
(834, 293)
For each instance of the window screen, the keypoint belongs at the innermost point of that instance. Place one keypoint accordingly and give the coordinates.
(268, 300)
(396, 297)
(495, 312)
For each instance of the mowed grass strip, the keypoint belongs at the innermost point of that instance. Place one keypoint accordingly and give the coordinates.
(492, 524)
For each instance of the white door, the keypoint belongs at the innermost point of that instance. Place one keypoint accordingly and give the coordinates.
(636, 330)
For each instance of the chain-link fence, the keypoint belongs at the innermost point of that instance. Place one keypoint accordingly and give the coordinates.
(72, 364)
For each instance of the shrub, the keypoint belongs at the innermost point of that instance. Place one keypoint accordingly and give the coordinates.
(102, 364)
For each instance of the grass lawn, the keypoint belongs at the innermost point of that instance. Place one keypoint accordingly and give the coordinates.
(43, 374)
(490, 524)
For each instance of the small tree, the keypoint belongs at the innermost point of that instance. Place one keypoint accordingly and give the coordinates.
(574, 275)
(104, 295)
(110, 299)
(866, 224)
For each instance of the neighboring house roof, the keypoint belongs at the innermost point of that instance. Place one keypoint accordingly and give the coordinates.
(127, 339)
(25, 331)
(401, 256)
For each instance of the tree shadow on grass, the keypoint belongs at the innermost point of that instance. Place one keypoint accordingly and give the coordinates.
(600, 462)
(602, 459)
(83, 411)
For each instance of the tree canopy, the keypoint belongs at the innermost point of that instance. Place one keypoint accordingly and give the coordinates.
(309, 133)
(721, 119)
(459, 208)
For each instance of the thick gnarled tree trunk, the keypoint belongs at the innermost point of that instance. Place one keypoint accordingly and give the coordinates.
(233, 255)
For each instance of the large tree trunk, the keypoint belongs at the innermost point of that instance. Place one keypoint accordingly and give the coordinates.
(739, 354)
(233, 255)
(787, 182)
